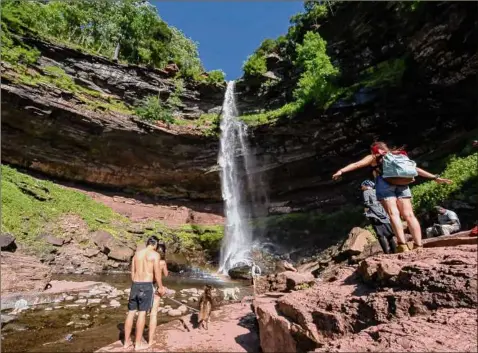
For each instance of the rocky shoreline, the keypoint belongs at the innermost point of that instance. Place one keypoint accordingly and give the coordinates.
(423, 300)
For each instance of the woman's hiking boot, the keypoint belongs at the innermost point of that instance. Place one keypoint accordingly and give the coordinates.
(416, 247)
(402, 248)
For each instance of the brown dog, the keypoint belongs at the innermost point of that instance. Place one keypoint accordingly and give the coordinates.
(205, 307)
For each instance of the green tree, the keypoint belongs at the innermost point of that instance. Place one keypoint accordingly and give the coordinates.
(127, 30)
(255, 65)
(314, 83)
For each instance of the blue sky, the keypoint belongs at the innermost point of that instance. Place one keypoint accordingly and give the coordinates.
(228, 31)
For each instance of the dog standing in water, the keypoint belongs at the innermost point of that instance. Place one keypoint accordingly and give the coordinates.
(205, 307)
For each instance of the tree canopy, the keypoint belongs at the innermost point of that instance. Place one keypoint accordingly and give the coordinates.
(128, 30)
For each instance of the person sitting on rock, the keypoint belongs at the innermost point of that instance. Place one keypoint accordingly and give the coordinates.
(378, 218)
(448, 223)
(145, 268)
(153, 316)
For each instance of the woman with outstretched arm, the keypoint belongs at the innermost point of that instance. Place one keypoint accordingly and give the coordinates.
(396, 199)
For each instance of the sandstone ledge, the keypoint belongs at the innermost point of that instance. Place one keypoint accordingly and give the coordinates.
(387, 303)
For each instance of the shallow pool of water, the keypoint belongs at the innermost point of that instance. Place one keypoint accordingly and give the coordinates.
(39, 330)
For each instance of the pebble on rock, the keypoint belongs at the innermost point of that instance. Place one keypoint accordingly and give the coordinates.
(115, 303)
(183, 309)
(174, 312)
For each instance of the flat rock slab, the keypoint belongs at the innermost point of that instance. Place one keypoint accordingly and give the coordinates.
(231, 329)
(70, 286)
(450, 240)
(446, 330)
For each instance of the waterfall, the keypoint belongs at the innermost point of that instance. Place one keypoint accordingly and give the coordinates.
(235, 161)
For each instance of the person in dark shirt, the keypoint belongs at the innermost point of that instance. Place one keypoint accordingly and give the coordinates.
(378, 218)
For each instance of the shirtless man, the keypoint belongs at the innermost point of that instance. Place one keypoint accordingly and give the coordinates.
(153, 318)
(144, 269)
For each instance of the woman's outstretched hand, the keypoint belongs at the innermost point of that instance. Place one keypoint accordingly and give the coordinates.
(443, 181)
(337, 175)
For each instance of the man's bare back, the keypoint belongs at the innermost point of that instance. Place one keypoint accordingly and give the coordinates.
(142, 269)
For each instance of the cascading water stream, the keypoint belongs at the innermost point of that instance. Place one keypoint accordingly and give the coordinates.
(234, 161)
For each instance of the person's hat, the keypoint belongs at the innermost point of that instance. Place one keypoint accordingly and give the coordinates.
(368, 183)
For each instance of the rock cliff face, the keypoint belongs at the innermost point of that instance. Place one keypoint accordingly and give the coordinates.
(47, 130)
(429, 111)
(424, 300)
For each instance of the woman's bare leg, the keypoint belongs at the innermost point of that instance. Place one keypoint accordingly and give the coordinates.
(390, 206)
(153, 320)
(406, 210)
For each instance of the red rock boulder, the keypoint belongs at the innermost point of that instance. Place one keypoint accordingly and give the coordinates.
(21, 273)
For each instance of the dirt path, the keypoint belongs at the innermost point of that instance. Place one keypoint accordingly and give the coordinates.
(144, 208)
(232, 329)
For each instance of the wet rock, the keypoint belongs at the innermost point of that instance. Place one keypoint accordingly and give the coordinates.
(48, 309)
(183, 309)
(22, 273)
(240, 272)
(5, 319)
(80, 321)
(7, 242)
(115, 303)
(20, 305)
(174, 312)
(81, 301)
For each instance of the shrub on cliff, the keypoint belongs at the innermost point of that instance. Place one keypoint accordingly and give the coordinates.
(314, 83)
(255, 65)
(216, 77)
(460, 170)
(152, 109)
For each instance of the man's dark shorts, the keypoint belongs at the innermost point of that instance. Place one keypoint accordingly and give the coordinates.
(141, 296)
